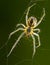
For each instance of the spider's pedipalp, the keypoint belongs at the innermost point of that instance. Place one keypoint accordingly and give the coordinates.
(15, 43)
(41, 18)
(34, 47)
(38, 39)
(28, 12)
(14, 32)
(20, 24)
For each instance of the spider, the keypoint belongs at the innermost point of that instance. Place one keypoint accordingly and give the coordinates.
(28, 29)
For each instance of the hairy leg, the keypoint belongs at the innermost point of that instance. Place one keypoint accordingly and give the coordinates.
(34, 48)
(20, 24)
(41, 18)
(38, 39)
(15, 43)
(28, 12)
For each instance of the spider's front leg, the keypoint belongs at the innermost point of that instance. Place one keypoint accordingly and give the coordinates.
(38, 39)
(14, 32)
(11, 35)
(28, 12)
(17, 40)
(34, 47)
(41, 18)
(15, 43)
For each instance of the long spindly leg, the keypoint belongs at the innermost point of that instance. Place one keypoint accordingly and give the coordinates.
(38, 30)
(41, 18)
(15, 43)
(38, 40)
(14, 32)
(11, 35)
(34, 47)
(20, 24)
(28, 12)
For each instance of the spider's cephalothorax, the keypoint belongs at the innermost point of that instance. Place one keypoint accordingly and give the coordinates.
(29, 30)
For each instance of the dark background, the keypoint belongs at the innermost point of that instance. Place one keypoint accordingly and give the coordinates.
(11, 12)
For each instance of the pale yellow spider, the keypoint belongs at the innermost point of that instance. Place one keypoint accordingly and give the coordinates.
(29, 30)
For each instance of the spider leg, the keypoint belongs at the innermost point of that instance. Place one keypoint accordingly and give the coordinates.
(14, 32)
(11, 35)
(38, 39)
(28, 12)
(38, 30)
(34, 48)
(15, 43)
(41, 18)
(20, 24)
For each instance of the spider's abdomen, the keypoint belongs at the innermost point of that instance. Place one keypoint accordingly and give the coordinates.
(32, 21)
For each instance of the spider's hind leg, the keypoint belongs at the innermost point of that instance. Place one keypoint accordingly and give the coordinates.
(41, 18)
(28, 12)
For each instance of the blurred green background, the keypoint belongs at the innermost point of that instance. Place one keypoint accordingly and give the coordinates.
(11, 12)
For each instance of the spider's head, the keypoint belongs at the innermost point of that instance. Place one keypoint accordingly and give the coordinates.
(32, 21)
